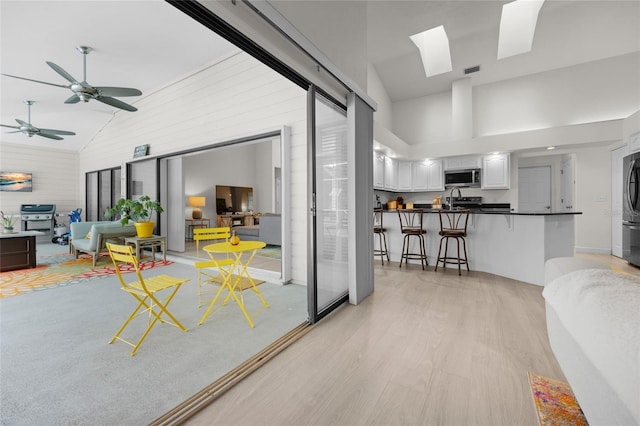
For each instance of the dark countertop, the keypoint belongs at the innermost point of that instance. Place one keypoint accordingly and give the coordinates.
(493, 210)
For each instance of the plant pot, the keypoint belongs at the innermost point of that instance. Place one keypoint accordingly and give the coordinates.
(144, 229)
(8, 230)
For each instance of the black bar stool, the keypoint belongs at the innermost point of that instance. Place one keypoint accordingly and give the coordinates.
(411, 226)
(378, 229)
(453, 224)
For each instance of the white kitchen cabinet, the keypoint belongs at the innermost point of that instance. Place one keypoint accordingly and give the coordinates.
(462, 162)
(496, 171)
(435, 176)
(390, 174)
(378, 170)
(428, 176)
(405, 177)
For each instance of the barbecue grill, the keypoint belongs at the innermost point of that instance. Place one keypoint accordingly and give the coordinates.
(38, 217)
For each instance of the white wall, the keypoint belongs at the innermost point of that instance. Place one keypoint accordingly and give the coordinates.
(593, 199)
(55, 178)
(237, 97)
(375, 89)
(423, 120)
(596, 91)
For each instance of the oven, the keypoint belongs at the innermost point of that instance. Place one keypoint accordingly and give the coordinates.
(631, 209)
(38, 217)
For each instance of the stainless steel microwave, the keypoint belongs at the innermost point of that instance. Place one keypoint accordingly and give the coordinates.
(468, 178)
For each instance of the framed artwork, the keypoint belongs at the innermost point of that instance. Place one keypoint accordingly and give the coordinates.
(141, 151)
(16, 182)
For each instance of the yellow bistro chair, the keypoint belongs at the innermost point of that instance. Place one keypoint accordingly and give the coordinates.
(144, 291)
(223, 266)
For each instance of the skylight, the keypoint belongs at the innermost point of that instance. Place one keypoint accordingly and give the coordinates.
(434, 50)
(517, 26)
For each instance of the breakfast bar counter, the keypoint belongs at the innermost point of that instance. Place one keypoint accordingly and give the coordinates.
(507, 243)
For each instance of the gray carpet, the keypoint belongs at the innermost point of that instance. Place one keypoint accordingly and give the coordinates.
(58, 368)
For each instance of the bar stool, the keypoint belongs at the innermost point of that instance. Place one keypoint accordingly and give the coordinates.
(411, 226)
(453, 224)
(378, 229)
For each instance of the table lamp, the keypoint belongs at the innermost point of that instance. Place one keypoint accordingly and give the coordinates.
(197, 202)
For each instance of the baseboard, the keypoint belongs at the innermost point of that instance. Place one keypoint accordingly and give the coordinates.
(594, 250)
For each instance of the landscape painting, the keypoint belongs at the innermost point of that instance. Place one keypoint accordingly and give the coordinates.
(16, 181)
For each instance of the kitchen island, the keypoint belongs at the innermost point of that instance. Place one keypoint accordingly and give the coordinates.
(507, 243)
(18, 250)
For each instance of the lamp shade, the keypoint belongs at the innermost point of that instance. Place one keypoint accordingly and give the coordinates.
(197, 202)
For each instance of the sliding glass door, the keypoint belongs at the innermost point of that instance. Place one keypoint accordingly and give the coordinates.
(328, 189)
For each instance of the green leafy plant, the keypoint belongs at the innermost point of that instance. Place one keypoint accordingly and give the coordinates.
(7, 220)
(134, 210)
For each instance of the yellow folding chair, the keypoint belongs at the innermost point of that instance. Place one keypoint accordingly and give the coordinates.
(223, 266)
(144, 291)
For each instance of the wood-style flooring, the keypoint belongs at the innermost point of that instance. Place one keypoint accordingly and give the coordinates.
(425, 348)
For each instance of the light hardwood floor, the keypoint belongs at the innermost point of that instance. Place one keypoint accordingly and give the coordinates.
(425, 348)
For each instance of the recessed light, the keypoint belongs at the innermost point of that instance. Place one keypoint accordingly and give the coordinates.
(551, 147)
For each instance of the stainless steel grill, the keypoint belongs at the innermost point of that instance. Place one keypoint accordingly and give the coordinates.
(38, 217)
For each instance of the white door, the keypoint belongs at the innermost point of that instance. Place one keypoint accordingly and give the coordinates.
(566, 186)
(534, 189)
(616, 200)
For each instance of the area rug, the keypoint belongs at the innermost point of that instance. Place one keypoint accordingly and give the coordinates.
(555, 403)
(59, 270)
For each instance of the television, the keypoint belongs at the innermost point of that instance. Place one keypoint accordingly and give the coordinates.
(233, 199)
(16, 182)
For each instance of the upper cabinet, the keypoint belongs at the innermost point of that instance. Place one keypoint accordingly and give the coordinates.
(378, 170)
(390, 174)
(405, 178)
(462, 162)
(496, 171)
(428, 176)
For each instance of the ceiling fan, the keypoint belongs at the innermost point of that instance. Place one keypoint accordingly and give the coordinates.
(83, 91)
(30, 130)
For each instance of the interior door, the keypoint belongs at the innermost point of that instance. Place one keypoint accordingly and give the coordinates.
(328, 284)
(534, 189)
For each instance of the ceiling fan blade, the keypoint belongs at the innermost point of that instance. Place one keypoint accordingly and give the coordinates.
(23, 123)
(62, 72)
(74, 99)
(116, 103)
(47, 135)
(118, 91)
(11, 127)
(57, 132)
(16, 131)
(37, 81)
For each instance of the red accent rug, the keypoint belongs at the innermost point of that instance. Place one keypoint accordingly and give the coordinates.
(61, 270)
(555, 403)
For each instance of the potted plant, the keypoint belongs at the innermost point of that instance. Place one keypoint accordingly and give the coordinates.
(139, 211)
(7, 222)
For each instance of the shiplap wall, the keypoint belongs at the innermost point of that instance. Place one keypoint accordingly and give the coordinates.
(55, 178)
(236, 97)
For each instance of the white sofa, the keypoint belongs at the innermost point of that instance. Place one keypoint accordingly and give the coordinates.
(593, 322)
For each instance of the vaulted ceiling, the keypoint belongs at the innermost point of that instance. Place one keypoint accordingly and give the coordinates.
(149, 44)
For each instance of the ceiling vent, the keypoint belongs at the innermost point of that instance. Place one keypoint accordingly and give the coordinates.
(472, 69)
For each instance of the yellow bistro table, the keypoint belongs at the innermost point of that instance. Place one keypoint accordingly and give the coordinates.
(230, 281)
